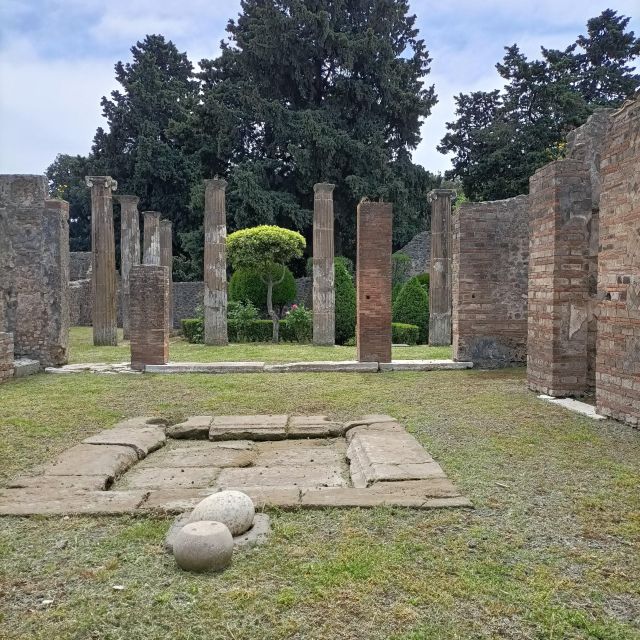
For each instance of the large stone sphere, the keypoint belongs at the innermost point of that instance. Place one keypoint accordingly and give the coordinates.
(233, 508)
(203, 546)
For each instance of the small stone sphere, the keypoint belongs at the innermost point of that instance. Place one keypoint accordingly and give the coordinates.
(233, 508)
(203, 546)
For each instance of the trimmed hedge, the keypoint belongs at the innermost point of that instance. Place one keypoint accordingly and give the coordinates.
(412, 307)
(247, 286)
(256, 331)
(345, 310)
(404, 333)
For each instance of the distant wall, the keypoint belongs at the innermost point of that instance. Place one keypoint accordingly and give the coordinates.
(419, 250)
(6, 356)
(79, 265)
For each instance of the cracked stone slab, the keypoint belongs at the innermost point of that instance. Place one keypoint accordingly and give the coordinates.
(137, 434)
(314, 427)
(346, 366)
(286, 477)
(193, 428)
(86, 483)
(424, 365)
(369, 419)
(258, 427)
(171, 478)
(93, 460)
(206, 454)
(387, 427)
(300, 453)
(437, 486)
(365, 498)
(26, 502)
(206, 367)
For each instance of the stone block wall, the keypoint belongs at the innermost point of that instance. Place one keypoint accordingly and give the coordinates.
(34, 269)
(419, 250)
(149, 319)
(187, 297)
(618, 323)
(79, 265)
(6, 356)
(373, 277)
(490, 277)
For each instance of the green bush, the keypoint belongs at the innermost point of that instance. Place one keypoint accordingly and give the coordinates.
(400, 265)
(193, 330)
(412, 307)
(345, 309)
(299, 323)
(423, 279)
(246, 285)
(346, 262)
(404, 333)
(240, 315)
(395, 291)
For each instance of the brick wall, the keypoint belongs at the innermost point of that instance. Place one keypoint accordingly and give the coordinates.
(373, 331)
(618, 341)
(6, 356)
(490, 277)
(34, 269)
(149, 328)
(559, 305)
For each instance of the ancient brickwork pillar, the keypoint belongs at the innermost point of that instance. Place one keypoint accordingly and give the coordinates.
(440, 295)
(149, 315)
(166, 259)
(215, 263)
(129, 251)
(323, 276)
(6, 356)
(104, 284)
(373, 278)
(151, 240)
(559, 266)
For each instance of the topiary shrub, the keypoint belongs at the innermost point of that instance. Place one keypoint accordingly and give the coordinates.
(404, 333)
(345, 309)
(423, 279)
(412, 307)
(193, 330)
(246, 285)
(400, 265)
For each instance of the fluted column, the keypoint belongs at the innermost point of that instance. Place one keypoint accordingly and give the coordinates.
(440, 294)
(215, 263)
(103, 261)
(151, 253)
(323, 273)
(129, 252)
(166, 260)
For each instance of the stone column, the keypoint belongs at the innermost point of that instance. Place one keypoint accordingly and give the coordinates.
(129, 251)
(151, 253)
(440, 297)
(215, 263)
(103, 261)
(166, 259)
(373, 277)
(323, 275)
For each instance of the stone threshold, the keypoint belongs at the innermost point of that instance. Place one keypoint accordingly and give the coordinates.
(574, 405)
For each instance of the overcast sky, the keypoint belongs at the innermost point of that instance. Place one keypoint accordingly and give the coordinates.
(57, 57)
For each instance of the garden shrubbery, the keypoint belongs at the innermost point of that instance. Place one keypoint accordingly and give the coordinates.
(402, 333)
(345, 308)
(412, 307)
(246, 285)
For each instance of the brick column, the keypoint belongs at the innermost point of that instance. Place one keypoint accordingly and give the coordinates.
(440, 296)
(373, 277)
(129, 251)
(166, 259)
(103, 261)
(6, 356)
(215, 263)
(151, 251)
(323, 275)
(149, 315)
(558, 298)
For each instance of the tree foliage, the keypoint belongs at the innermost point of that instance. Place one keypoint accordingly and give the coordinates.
(412, 307)
(345, 304)
(501, 137)
(247, 285)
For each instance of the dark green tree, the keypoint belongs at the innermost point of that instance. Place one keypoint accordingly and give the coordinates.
(315, 91)
(345, 304)
(501, 137)
(412, 307)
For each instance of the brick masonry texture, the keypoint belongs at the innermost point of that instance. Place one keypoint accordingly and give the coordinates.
(490, 276)
(34, 269)
(373, 330)
(618, 338)
(6, 356)
(149, 319)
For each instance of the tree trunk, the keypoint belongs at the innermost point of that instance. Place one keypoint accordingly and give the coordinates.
(274, 316)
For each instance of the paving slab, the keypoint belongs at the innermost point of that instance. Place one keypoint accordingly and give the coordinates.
(300, 453)
(424, 365)
(171, 478)
(25, 502)
(87, 483)
(574, 405)
(193, 428)
(93, 460)
(173, 501)
(205, 454)
(258, 427)
(143, 438)
(364, 498)
(376, 426)
(345, 366)
(314, 427)
(286, 477)
(206, 367)
(438, 486)
(369, 419)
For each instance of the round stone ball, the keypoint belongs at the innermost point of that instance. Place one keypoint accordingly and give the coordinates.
(233, 508)
(203, 546)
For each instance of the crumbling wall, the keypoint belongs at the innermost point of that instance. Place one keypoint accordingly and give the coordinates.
(618, 323)
(34, 269)
(490, 276)
(79, 265)
(6, 356)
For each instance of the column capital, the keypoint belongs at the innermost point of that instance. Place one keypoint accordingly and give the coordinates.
(324, 187)
(127, 199)
(215, 184)
(434, 194)
(166, 223)
(106, 182)
(152, 214)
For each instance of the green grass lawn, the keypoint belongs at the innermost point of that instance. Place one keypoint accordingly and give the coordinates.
(552, 550)
(82, 350)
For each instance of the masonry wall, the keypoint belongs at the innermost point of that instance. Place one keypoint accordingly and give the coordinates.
(618, 338)
(34, 269)
(79, 265)
(490, 277)
(6, 356)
